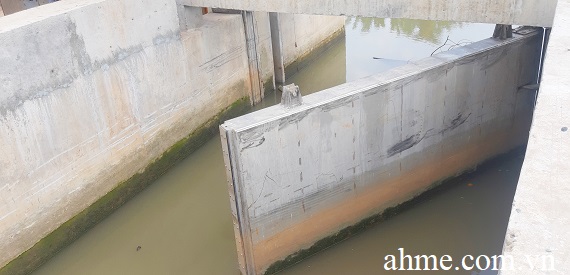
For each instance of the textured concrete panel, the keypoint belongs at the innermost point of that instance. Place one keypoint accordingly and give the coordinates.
(516, 12)
(91, 92)
(303, 173)
(299, 37)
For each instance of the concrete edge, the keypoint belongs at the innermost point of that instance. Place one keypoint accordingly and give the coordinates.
(349, 89)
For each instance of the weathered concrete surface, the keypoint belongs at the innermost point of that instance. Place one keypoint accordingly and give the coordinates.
(515, 12)
(300, 39)
(277, 48)
(298, 175)
(540, 225)
(254, 48)
(91, 92)
(264, 52)
(302, 36)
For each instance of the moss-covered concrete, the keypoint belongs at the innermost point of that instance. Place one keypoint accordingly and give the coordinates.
(347, 232)
(71, 230)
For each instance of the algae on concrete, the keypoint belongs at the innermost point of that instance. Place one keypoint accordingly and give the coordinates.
(71, 230)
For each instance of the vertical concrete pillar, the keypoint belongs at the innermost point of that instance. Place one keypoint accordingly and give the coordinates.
(277, 47)
(253, 56)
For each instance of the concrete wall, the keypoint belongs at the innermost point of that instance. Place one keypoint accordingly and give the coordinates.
(298, 175)
(92, 91)
(303, 37)
(539, 226)
(302, 34)
(516, 12)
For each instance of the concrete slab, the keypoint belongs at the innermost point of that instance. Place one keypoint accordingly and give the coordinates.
(538, 236)
(303, 173)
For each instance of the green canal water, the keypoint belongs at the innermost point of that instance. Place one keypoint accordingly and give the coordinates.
(182, 224)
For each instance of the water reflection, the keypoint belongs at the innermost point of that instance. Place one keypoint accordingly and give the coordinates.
(374, 45)
(365, 23)
(430, 31)
(421, 30)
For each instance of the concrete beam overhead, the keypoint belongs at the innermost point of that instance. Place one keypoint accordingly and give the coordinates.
(510, 12)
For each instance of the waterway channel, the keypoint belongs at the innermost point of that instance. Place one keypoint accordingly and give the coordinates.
(182, 225)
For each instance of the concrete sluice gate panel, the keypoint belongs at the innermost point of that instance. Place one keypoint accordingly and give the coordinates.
(297, 175)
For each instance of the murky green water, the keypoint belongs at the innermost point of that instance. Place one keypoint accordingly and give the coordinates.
(182, 222)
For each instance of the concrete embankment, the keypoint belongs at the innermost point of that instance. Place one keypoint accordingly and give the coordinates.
(538, 232)
(99, 98)
(92, 93)
(299, 175)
